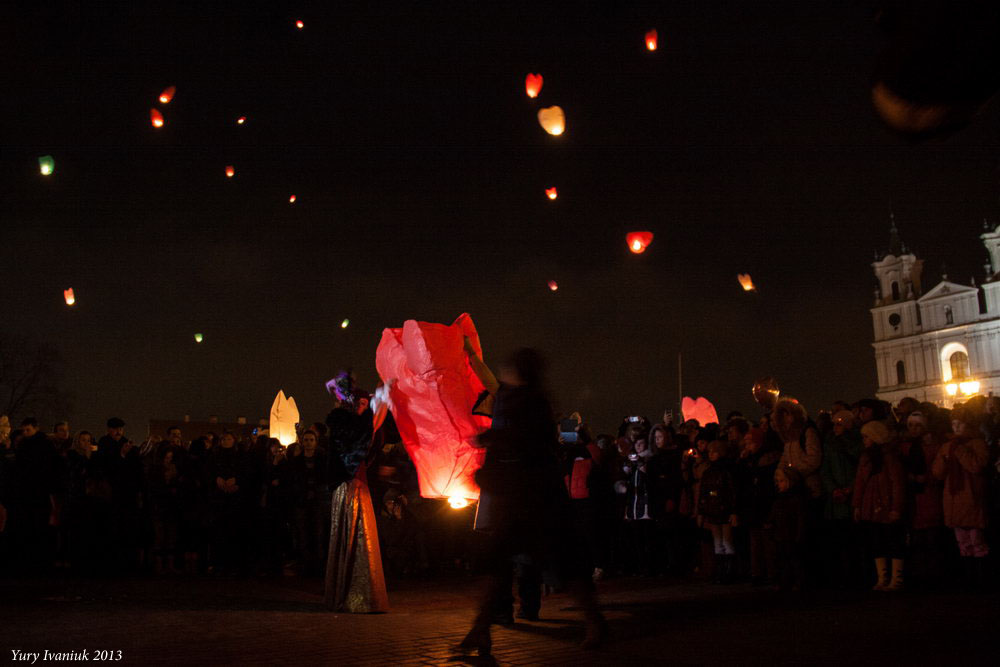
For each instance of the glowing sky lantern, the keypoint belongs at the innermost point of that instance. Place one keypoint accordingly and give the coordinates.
(346, 323)
(230, 171)
(652, 39)
(533, 84)
(167, 95)
(198, 338)
(746, 282)
(433, 390)
(284, 417)
(241, 120)
(69, 296)
(638, 241)
(700, 409)
(46, 165)
(553, 285)
(291, 200)
(551, 193)
(552, 120)
(156, 118)
(300, 25)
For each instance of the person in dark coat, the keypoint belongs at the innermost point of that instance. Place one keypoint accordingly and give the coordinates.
(120, 460)
(35, 508)
(529, 504)
(759, 460)
(718, 502)
(787, 520)
(225, 480)
(311, 497)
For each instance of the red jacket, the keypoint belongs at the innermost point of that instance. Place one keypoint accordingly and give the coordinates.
(877, 494)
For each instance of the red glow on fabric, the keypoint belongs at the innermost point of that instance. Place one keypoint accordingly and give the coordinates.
(652, 40)
(433, 392)
(638, 241)
(533, 84)
(156, 118)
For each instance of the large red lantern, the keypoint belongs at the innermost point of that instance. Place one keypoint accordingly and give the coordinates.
(156, 118)
(652, 40)
(433, 390)
(167, 95)
(533, 84)
(638, 241)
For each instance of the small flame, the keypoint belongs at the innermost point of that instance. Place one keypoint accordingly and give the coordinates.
(458, 502)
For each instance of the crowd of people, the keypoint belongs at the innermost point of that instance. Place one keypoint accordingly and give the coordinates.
(860, 495)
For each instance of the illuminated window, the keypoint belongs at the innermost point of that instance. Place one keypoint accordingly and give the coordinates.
(959, 365)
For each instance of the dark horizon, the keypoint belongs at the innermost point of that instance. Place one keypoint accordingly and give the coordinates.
(747, 143)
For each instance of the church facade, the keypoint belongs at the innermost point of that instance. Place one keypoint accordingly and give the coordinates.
(941, 345)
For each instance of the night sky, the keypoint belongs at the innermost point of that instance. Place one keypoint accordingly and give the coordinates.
(746, 143)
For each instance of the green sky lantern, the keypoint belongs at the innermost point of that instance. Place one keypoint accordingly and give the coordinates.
(343, 325)
(198, 338)
(46, 165)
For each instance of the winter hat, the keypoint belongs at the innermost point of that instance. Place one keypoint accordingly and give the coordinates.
(917, 416)
(756, 436)
(877, 432)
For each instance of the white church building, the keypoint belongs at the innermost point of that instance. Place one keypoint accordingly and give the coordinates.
(942, 345)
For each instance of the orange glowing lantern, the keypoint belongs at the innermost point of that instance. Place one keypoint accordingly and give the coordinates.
(241, 120)
(551, 193)
(433, 389)
(69, 296)
(156, 118)
(291, 200)
(230, 171)
(167, 95)
(652, 39)
(700, 409)
(746, 282)
(638, 241)
(552, 120)
(553, 285)
(533, 84)
(300, 25)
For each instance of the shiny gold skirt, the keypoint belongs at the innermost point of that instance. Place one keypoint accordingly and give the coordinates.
(355, 582)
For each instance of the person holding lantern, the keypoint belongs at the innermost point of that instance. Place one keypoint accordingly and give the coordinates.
(355, 581)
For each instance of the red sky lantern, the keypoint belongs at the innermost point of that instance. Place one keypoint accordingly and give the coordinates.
(241, 120)
(533, 84)
(230, 171)
(637, 241)
(156, 118)
(746, 282)
(432, 390)
(652, 39)
(553, 285)
(551, 193)
(291, 200)
(69, 296)
(167, 95)
(300, 25)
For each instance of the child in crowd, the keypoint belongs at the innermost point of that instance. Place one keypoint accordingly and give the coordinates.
(787, 522)
(717, 498)
(878, 500)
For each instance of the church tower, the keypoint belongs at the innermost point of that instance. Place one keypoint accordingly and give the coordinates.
(898, 271)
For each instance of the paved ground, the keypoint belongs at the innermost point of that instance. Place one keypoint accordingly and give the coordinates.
(653, 621)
